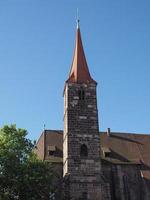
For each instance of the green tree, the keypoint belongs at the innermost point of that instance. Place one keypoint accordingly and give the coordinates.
(22, 175)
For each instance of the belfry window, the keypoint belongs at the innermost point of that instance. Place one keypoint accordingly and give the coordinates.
(81, 94)
(83, 151)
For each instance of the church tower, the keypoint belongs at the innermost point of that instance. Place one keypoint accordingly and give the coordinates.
(81, 139)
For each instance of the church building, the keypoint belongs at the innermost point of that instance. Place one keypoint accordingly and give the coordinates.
(95, 165)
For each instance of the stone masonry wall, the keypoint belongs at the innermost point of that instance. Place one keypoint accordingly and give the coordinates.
(81, 127)
(125, 181)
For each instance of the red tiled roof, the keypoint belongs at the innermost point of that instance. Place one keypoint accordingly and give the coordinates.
(79, 70)
(128, 149)
(125, 148)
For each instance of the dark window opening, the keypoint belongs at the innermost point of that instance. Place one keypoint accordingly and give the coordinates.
(81, 94)
(51, 153)
(107, 154)
(83, 151)
(51, 150)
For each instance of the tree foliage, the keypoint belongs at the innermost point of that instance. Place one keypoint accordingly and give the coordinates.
(22, 175)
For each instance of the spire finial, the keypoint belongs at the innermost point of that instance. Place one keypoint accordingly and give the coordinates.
(44, 127)
(78, 18)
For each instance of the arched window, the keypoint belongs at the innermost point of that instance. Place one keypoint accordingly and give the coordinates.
(83, 151)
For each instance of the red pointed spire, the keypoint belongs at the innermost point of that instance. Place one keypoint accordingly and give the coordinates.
(79, 71)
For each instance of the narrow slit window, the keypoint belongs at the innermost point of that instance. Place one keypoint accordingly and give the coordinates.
(81, 94)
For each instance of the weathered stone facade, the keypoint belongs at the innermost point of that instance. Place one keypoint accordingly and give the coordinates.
(83, 169)
(125, 181)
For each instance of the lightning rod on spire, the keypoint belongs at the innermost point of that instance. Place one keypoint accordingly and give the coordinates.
(44, 126)
(78, 18)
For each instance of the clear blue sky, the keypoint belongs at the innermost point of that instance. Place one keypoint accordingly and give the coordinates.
(37, 39)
